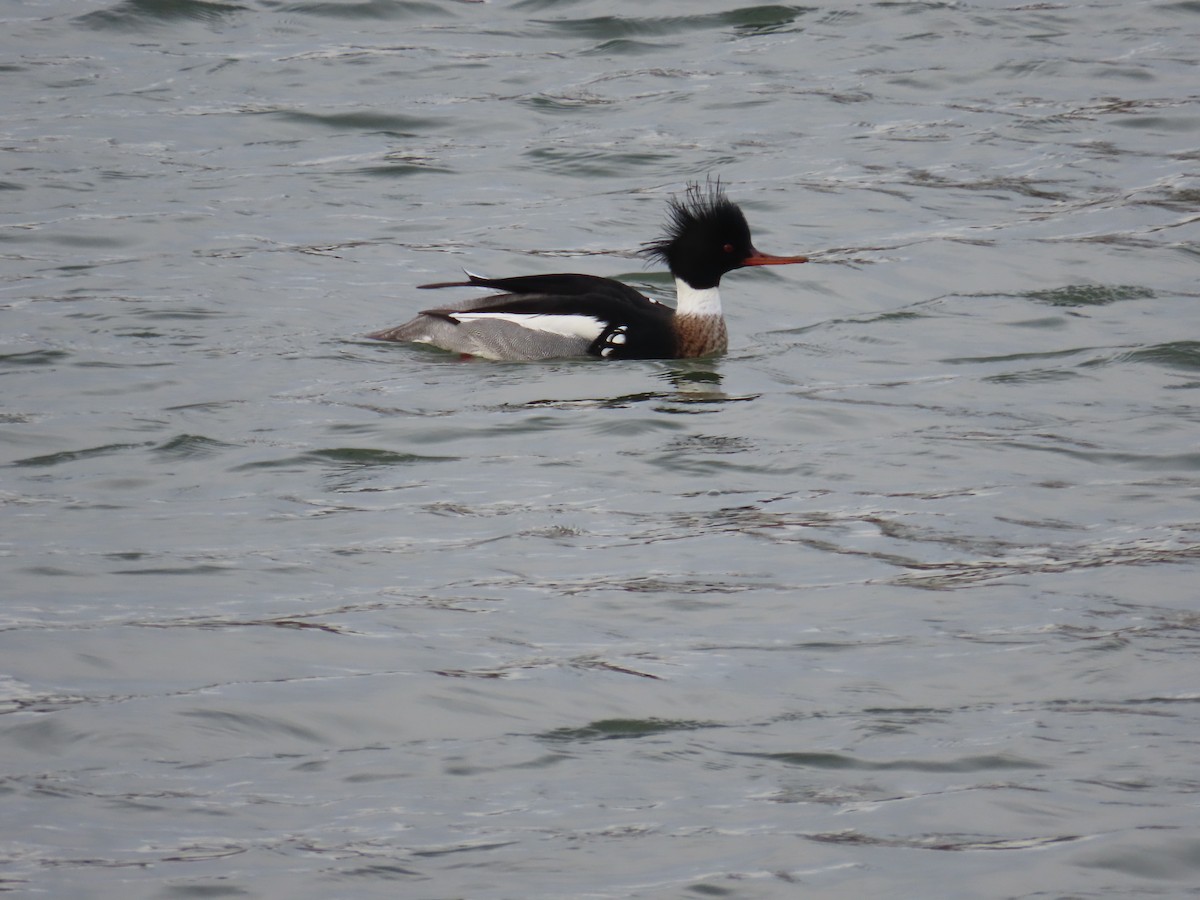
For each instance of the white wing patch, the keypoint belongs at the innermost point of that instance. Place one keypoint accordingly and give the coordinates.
(586, 327)
(615, 339)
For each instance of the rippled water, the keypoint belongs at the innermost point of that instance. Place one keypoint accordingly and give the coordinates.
(898, 599)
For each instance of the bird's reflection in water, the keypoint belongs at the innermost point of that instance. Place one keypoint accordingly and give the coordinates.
(696, 381)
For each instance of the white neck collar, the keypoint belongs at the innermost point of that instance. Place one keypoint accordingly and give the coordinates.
(693, 302)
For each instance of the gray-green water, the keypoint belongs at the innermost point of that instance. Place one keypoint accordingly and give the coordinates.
(898, 599)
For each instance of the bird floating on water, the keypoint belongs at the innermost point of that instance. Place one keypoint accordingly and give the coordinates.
(561, 316)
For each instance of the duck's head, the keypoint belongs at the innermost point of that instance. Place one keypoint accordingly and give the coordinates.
(707, 236)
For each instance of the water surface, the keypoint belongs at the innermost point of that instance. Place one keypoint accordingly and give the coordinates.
(897, 599)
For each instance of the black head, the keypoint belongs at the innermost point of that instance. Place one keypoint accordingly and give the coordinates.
(707, 236)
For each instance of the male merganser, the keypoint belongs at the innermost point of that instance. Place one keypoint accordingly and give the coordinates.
(556, 316)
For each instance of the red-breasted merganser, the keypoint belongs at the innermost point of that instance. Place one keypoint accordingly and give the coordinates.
(558, 316)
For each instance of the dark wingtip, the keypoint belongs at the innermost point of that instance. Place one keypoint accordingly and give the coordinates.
(473, 280)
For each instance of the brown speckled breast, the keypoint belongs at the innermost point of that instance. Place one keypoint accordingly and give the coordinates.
(700, 336)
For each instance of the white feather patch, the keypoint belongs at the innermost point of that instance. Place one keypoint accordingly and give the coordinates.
(586, 327)
(693, 302)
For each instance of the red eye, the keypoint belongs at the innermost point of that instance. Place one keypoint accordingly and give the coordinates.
(728, 248)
